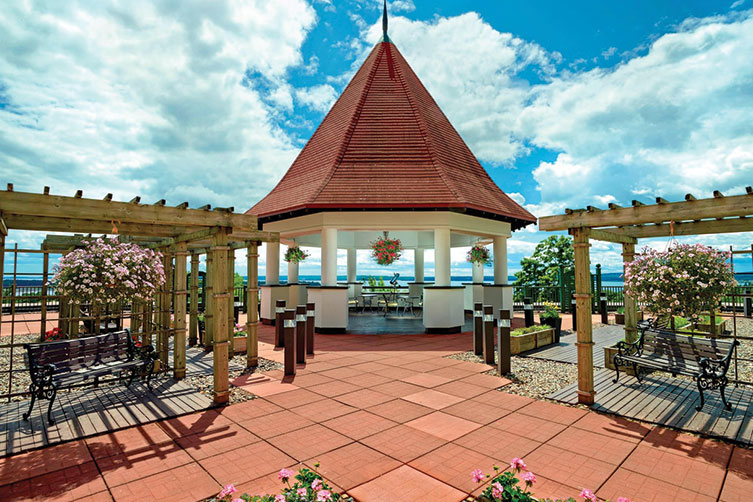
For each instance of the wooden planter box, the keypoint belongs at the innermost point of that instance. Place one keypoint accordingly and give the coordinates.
(609, 353)
(531, 341)
(706, 328)
(239, 344)
(620, 318)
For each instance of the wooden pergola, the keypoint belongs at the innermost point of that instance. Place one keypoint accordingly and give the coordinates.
(625, 225)
(176, 232)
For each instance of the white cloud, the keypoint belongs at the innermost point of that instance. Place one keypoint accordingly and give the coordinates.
(319, 97)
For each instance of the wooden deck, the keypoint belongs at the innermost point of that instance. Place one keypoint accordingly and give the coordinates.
(94, 411)
(671, 402)
(565, 351)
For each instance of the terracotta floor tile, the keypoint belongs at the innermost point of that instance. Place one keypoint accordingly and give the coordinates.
(364, 398)
(452, 373)
(403, 443)
(74, 483)
(195, 423)
(433, 399)
(334, 388)
(642, 488)
(559, 413)
(189, 482)
(134, 440)
(742, 461)
(268, 426)
(397, 373)
(272, 388)
(498, 444)
(246, 463)
(252, 379)
(309, 442)
(406, 483)
(121, 469)
(38, 462)
(473, 367)
(737, 487)
(476, 411)
(531, 427)
(689, 445)
(426, 380)
(488, 382)
(613, 426)
(338, 465)
(444, 426)
(591, 444)
(214, 442)
(546, 488)
(249, 409)
(687, 472)
(359, 425)
(453, 465)
(462, 389)
(396, 388)
(294, 398)
(269, 484)
(568, 468)
(399, 410)
(371, 367)
(503, 400)
(368, 380)
(343, 373)
(311, 379)
(323, 410)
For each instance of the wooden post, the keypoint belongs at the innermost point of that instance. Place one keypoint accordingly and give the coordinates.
(135, 316)
(310, 316)
(45, 278)
(631, 316)
(252, 295)
(165, 328)
(193, 323)
(288, 332)
(478, 328)
(583, 299)
(300, 334)
(179, 340)
(220, 302)
(279, 335)
(75, 313)
(488, 334)
(503, 343)
(209, 304)
(230, 271)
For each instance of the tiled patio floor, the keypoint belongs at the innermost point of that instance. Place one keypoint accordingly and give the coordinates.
(388, 418)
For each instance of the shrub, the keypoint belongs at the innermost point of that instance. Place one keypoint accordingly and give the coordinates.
(551, 311)
(308, 486)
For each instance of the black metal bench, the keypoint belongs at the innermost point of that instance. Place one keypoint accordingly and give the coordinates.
(706, 360)
(62, 364)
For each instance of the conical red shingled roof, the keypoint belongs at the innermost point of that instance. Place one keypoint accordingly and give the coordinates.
(385, 144)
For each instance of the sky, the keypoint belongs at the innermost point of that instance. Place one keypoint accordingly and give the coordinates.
(565, 104)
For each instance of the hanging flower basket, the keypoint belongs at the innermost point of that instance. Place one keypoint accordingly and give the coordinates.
(386, 251)
(686, 280)
(294, 254)
(106, 271)
(479, 254)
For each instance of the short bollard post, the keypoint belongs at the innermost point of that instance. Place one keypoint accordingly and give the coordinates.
(603, 308)
(488, 334)
(528, 311)
(574, 309)
(288, 321)
(279, 310)
(310, 314)
(478, 329)
(503, 343)
(300, 334)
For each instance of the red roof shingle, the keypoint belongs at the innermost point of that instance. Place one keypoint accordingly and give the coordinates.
(385, 144)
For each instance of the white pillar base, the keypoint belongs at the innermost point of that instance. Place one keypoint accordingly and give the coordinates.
(269, 296)
(297, 295)
(473, 293)
(443, 309)
(331, 305)
(499, 296)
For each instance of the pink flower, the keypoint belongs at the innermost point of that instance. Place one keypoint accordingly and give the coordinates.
(477, 475)
(623, 499)
(285, 474)
(301, 492)
(316, 484)
(588, 495)
(323, 496)
(517, 464)
(529, 478)
(279, 498)
(227, 490)
(497, 490)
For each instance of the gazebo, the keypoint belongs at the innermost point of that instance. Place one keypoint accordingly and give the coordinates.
(385, 158)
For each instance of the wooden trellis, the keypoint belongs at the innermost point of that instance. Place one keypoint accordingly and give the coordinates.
(625, 225)
(177, 232)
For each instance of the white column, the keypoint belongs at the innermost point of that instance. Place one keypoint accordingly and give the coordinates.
(329, 257)
(418, 264)
(352, 259)
(478, 272)
(442, 256)
(292, 272)
(500, 260)
(273, 263)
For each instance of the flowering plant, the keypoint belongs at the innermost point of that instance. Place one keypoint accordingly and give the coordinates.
(294, 254)
(479, 254)
(308, 486)
(685, 279)
(54, 334)
(386, 251)
(106, 271)
(239, 330)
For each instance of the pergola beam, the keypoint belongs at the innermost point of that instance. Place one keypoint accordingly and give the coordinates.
(725, 226)
(57, 224)
(611, 236)
(717, 207)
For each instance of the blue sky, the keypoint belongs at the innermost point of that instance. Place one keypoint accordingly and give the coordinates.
(565, 103)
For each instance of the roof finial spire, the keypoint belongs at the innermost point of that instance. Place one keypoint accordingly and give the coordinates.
(384, 22)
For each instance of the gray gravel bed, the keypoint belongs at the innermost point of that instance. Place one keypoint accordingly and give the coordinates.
(237, 395)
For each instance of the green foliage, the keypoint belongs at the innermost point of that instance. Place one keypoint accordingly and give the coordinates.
(238, 280)
(551, 311)
(530, 329)
(542, 267)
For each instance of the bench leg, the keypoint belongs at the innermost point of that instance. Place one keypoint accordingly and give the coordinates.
(724, 398)
(616, 368)
(52, 395)
(33, 391)
(637, 372)
(149, 371)
(700, 391)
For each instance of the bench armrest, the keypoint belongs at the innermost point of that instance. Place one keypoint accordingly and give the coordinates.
(629, 348)
(147, 352)
(42, 375)
(717, 368)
